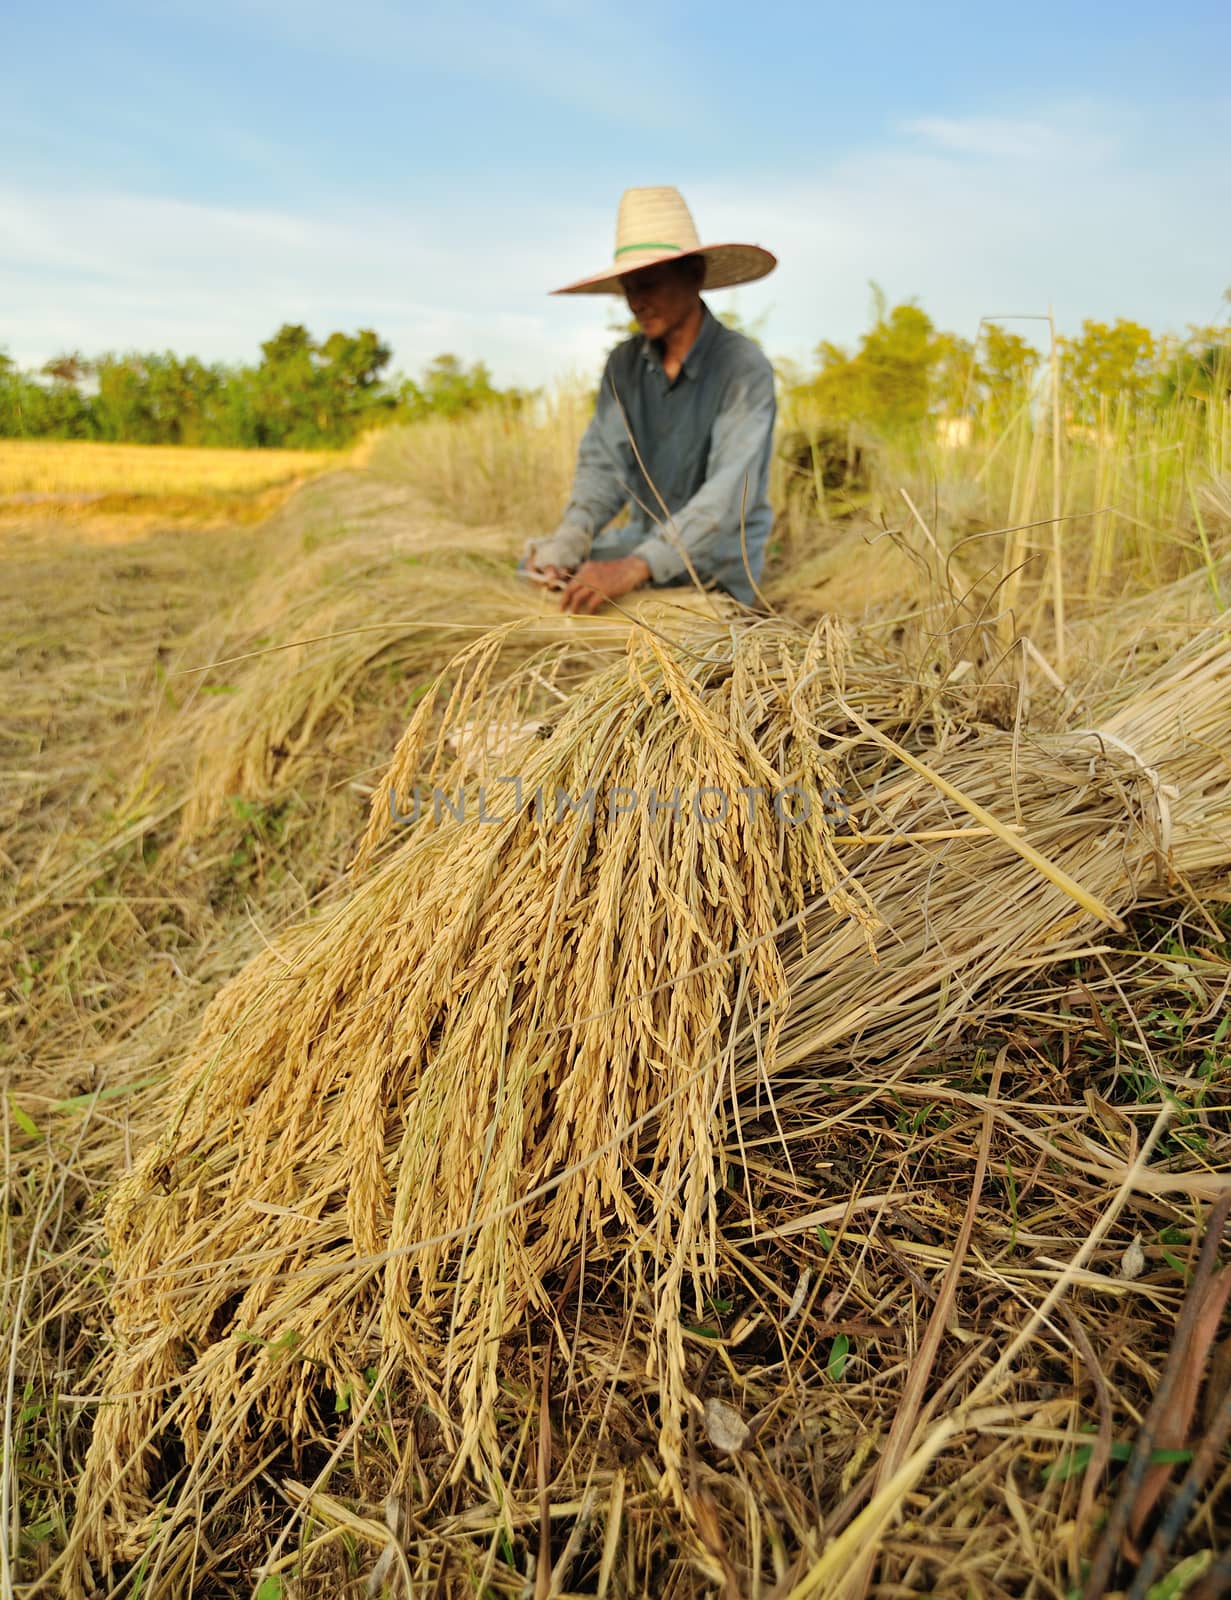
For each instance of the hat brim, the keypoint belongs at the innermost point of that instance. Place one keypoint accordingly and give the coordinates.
(725, 266)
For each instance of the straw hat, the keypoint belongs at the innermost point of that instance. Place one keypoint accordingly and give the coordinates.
(655, 225)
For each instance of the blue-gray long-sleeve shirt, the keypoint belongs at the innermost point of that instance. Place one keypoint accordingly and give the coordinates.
(705, 442)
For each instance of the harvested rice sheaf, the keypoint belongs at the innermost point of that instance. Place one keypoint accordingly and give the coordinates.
(522, 1041)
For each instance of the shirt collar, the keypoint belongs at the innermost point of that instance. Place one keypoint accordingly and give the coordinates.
(695, 358)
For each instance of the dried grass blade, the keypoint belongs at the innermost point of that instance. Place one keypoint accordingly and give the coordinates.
(1009, 836)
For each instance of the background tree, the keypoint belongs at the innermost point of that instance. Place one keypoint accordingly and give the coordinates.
(838, 386)
(902, 371)
(1007, 366)
(313, 394)
(71, 367)
(448, 388)
(288, 403)
(955, 377)
(1107, 360)
(48, 405)
(1199, 368)
(304, 394)
(898, 355)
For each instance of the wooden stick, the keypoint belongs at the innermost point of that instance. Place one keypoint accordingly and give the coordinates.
(1117, 1521)
(1057, 539)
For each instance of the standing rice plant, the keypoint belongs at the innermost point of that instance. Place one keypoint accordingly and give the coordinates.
(510, 465)
(1128, 488)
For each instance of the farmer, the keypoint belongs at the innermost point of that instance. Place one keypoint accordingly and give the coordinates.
(682, 430)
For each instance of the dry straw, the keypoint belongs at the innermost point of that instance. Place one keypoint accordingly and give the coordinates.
(523, 1047)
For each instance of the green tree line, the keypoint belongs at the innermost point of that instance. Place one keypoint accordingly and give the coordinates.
(302, 394)
(309, 394)
(905, 370)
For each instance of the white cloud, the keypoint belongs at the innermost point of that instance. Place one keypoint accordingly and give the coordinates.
(1071, 218)
(1060, 213)
(1009, 139)
(96, 271)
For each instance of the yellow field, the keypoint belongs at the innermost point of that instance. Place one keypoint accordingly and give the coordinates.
(74, 467)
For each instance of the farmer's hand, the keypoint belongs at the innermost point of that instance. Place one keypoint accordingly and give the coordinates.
(596, 581)
(546, 574)
(552, 561)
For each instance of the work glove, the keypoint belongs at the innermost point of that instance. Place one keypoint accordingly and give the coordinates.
(567, 548)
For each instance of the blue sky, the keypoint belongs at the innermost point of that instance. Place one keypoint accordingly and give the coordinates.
(188, 174)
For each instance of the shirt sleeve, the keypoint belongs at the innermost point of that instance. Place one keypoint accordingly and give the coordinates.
(739, 447)
(605, 467)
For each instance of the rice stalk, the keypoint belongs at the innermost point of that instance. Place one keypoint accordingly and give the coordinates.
(513, 1044)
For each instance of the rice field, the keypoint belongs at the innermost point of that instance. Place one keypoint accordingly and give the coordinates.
(74, 467)
(620, 1204)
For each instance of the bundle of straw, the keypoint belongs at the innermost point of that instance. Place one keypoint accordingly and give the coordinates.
(304, 648)
(522, 1042)
(305, 651)
(1090, 822)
